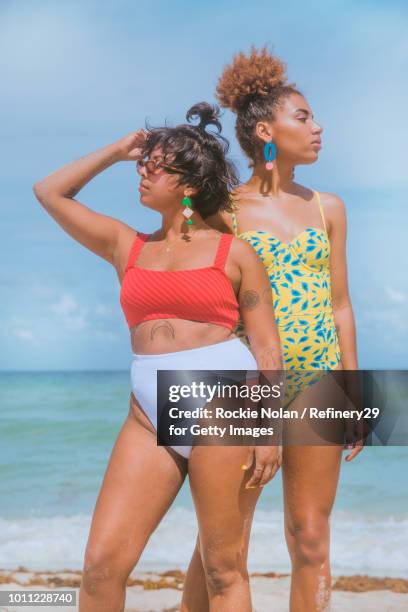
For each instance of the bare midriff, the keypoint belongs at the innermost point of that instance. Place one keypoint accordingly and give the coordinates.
(169, 335)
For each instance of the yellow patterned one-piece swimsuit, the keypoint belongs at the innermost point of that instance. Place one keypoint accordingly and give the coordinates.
(299, 273)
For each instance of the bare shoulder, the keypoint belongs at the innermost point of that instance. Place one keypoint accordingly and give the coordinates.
(126, 237)
(127, 234)
(243, 253)
(332, 203)
(334, 209)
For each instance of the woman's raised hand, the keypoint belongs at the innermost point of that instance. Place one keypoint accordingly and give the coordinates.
(130, 146)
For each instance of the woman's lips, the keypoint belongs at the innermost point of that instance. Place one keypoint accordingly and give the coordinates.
(317, 144)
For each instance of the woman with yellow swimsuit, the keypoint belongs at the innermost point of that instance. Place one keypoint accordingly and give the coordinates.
(300, 235)
(299, 273)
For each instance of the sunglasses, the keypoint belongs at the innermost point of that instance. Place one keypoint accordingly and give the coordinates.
(153, 166)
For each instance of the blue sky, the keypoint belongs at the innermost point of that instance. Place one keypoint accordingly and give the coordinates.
(76, 76)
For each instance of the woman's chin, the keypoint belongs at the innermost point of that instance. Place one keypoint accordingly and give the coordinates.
(144, 198)
(310, 158)
(146, 201)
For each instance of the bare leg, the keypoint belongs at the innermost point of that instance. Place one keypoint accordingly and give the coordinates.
(195, 593)
(225, 511)
(310, 477)
(140, 484)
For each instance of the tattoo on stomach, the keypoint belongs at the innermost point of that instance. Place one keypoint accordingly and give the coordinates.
(164, 326)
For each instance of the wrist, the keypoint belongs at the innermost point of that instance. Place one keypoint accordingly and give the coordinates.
(114, 153)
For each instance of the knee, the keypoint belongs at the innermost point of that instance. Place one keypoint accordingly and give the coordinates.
(311, 543)
(222, 578)
(99, 572)
(223, 574)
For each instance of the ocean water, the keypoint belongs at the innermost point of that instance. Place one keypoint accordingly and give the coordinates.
(56, 434)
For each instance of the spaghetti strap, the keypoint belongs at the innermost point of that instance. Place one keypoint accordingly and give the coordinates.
(321, 210)
(234, 212)
(135, 249)
(234, 223)
(222, 251)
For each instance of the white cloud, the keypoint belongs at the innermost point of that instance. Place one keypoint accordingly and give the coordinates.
(106, 335)
(70, 314)
(390, 323)
(24, 334)
(76, 323)
(65, 306)
(103, 310)
(395, 295)
(23, 329)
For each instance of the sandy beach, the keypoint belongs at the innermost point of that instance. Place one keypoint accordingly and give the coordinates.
(161, 592)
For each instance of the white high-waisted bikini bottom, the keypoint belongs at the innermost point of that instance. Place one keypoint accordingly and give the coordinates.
(226, 355)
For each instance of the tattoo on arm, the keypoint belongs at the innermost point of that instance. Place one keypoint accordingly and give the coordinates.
(270, 358)
(250, 299)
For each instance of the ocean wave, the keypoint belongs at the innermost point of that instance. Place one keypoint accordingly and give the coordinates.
(359, 544)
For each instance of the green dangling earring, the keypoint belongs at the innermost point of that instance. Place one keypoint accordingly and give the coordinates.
(187, 212)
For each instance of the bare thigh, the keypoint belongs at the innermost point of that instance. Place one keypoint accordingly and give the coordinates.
(140, 484)
(310, 472)
(224, 507)
(310, 478)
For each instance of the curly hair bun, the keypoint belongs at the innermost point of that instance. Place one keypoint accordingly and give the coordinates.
(256, 74)
(208, 115)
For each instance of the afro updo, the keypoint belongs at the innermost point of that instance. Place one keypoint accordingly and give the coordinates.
(253, 86)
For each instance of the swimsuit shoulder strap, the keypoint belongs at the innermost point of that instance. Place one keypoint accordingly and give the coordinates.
(222, 251)
(234, 223)
(135, 249)
(321, 210)
(234, 214)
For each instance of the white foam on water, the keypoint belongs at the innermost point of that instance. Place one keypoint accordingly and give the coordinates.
(369, 545)
(359, 544)
(43, 543)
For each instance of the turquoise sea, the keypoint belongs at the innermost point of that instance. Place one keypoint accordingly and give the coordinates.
(56, 434)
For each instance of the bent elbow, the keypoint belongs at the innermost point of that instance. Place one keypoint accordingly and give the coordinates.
(40, 192)
(38, 189)
(341, 304)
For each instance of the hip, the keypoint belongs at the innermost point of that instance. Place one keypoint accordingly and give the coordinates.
(232, 354)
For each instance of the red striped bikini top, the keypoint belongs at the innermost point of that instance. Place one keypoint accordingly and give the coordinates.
(200, 294)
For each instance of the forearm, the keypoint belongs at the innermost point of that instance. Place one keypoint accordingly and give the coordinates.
(69, 180)
(346, 333)
(268, 356)
(271, 374)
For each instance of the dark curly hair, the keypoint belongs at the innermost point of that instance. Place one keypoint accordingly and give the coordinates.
(253, 86)
(200, 155)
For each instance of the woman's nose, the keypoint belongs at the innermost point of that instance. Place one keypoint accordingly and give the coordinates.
(141, 170)
(317, 129)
